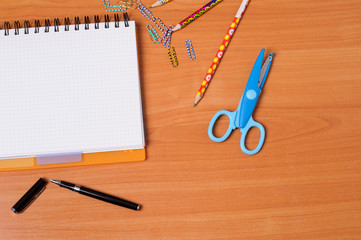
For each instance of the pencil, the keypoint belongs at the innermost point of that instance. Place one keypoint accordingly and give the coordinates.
(221, 51)
(159, 3)
(196, 14)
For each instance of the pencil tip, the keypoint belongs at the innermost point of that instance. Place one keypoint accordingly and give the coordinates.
(196, 101)
(176, 28)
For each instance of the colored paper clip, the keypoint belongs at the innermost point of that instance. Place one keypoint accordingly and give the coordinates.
(145, 12)
(129, 3)
(153, 34)
(190, 50)
(167, 36)
(114, 8)
(172, 56)
(160, 25)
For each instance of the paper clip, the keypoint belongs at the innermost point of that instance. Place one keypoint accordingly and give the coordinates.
(190, 50)
(172, 56)
(145, 12)
(153, 34)
(161, 26)
(114, 8)
(167, 36)
(129, 3)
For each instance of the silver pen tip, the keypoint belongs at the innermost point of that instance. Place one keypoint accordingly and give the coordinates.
(55, 181)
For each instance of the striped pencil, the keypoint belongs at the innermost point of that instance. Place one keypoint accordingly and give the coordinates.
(196, 14)
(159, 3)
(221, 51)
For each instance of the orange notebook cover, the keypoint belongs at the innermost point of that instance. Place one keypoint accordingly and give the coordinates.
(87, 159)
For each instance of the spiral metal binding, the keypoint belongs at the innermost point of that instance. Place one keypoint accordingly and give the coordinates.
(116, 20)
(47, 25)
(66, 24)
(17, 27)
(87, 22)
(96, 21)
(6, 28)
(77, 23)
(126, 19)
(106, 20)
(26, 27)
(37, 26)
(56, 24)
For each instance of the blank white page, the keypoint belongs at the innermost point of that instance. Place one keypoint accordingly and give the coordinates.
(70, 91)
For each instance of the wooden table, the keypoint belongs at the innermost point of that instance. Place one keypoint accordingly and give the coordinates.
(305, 183)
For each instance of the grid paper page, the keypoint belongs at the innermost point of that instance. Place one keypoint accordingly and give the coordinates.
(70, 91)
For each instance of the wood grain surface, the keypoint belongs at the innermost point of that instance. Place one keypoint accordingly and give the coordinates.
(305, 183)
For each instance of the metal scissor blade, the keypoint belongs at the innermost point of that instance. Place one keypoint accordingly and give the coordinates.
(264, 70)
(251, 93)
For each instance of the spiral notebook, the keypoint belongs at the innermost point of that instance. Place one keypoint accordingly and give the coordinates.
(70, 94)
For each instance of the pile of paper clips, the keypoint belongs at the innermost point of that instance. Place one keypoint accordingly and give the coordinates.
(166, 30)
(165, 39)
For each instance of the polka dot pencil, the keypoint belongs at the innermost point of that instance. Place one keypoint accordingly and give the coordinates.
(221, 50)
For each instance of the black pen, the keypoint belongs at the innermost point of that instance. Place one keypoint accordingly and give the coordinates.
(98, 195)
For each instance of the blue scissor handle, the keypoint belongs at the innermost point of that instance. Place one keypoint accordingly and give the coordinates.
(231, 116)
(251, 123)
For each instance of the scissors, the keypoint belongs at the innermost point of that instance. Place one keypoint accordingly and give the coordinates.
(242, 117)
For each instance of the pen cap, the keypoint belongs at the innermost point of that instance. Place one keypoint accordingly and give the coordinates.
(29, 196)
